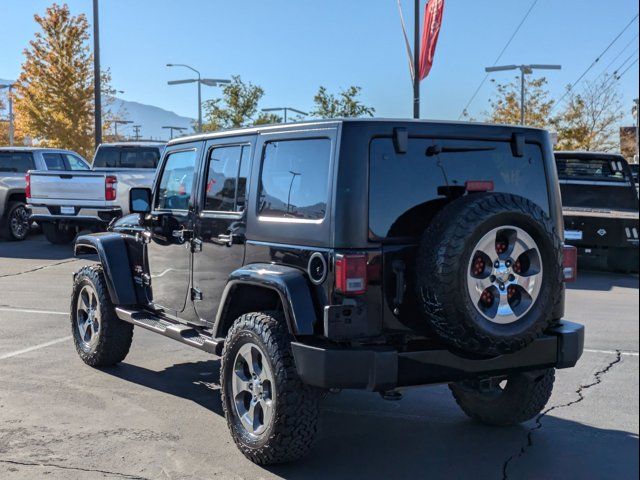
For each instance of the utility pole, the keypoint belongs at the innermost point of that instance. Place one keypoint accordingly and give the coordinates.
(416, 61)
(637, 102)
(97, 90)
(9, 87)
(115, 126)
(524, 70)
(136, 131)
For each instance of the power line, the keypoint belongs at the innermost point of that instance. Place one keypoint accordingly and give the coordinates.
(618, 77)
(631, 42)
(504, 49)
(572, 86)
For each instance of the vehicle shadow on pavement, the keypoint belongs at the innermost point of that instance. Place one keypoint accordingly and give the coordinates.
(425, 434)
(195, 381)
(603, 281)
(35, 247)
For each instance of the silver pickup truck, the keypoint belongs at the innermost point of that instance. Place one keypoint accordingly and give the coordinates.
(15, 162)
(65, 202)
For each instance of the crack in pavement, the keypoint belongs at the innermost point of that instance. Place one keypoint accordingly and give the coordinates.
(598, 379)
(79, 469)
(39, 268)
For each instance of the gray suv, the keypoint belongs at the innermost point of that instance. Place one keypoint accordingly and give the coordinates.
(15, 162)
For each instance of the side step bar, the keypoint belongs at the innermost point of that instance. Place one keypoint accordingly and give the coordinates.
(177, 331)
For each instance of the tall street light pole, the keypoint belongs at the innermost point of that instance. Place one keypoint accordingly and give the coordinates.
(97, 90)
(416, 61)
(524, 70)
(637, 102)
(211, 82)
(9, 87)
(285, 110)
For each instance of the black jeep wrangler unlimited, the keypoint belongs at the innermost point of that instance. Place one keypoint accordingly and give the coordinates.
(359, 254)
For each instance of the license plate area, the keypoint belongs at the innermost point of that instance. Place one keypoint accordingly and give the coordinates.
(67, 211)
(573, 234)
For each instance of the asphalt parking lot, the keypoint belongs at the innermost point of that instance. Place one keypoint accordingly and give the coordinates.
(158, 414)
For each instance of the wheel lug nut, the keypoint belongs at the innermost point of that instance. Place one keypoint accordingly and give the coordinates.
(512, 278)
(497, 264)
(507, 263)
(502, 286)
(492, 278)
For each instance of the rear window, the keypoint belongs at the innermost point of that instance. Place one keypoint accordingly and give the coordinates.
(596, 169)
(294, 181)
(127, 157)
(16, 162)
(407, 186)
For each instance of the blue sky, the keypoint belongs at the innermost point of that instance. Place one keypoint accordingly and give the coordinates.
(290, 47)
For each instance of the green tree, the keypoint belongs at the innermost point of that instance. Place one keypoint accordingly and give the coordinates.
(505, 105)
(54, 93)
(237, 108)
(345, 105)
(590, 118)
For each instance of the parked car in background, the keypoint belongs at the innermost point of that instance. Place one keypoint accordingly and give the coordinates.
(63, 203)
(634, 172)
(600, 207)
(15, 162)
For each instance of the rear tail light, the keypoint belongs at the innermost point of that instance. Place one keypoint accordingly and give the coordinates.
(27, 189)
(570, 263)
(351, 274)
(110, 187)
(478, 186)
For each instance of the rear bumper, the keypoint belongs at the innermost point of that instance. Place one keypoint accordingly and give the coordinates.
(384, 369)
(81, 215)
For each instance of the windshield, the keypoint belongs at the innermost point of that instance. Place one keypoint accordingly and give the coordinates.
(127, 157)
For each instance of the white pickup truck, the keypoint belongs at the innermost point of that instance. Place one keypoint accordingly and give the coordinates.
(65, 202)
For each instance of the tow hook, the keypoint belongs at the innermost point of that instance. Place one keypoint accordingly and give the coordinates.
(391, 395)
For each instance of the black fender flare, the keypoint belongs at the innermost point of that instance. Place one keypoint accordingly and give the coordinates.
(112, 252)
(289, 283)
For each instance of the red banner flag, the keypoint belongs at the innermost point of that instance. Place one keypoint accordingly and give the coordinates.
(431, 29)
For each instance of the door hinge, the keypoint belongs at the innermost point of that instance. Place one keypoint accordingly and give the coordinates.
(196, 295)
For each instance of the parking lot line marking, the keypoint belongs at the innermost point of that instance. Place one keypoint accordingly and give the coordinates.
(27, 310)
(35, 347)
(613, 352)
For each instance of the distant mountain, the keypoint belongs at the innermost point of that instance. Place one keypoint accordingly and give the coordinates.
(149, 117)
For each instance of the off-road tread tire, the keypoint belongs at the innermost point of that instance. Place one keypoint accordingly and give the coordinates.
(56, 236)
(115, 335)
(295, 423)
(524, 397)
(443, 244)
(5, 228)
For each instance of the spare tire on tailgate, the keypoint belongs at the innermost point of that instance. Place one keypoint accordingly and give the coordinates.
(489, 273)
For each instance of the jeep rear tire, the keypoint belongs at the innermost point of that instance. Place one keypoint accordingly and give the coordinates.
(516, 399)
(489, 273)
(56, 235)
(271, 414)
(100, 337)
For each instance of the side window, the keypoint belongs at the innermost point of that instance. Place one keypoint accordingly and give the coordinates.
(294, 179)
(222, 179)
(54, 161)
(17, 162)
(176, 182)
(227, 174)
(75, 163)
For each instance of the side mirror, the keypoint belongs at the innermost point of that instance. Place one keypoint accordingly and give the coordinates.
(140, 200)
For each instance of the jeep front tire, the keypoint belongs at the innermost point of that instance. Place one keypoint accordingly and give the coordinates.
(100, 337)
(271, 414)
